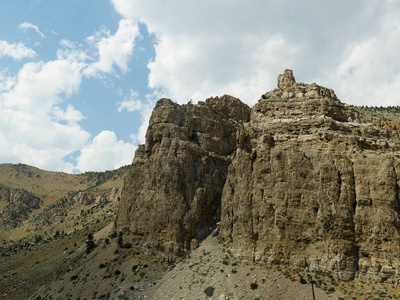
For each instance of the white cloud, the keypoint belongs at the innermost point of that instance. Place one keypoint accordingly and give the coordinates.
(43, 83)
(105, 152)
(70, 115)
(16, 50)
(72, 52)
(113, 50)
(38, 126)
(208, 48)
(34, 129)
(132, 103)
(6, 81)
(26, 25)
(371, 68)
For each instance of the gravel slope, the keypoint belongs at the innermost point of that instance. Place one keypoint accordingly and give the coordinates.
(210, 265)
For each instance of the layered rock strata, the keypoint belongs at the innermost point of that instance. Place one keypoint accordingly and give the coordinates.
(172, 195)
(311, 186)
(297, 180)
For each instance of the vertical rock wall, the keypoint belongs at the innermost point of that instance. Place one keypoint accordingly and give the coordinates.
(172, 195)
(311, 186)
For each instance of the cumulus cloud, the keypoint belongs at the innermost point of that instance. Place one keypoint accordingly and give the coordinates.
(371, 69)
(72, 52)
(113, 50)
(34, 128)
(105, 152)
(6, 81)
(208, 48)
(39, 127)
(26, 25)
(16, 50)
(132, 103)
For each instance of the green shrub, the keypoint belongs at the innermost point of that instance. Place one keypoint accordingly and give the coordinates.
(74, 277)
(254, 286)
(209, 291)
(90, 245)
(303, 281)
(331, 290)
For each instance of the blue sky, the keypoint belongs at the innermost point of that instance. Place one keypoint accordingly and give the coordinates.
(78, 79)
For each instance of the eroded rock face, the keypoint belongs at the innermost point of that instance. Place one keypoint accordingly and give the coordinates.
(297, 180)
(172, 194)
(84, 198)
(19, 195)
(310, 185)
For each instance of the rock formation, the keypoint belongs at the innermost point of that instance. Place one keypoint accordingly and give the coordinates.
(297, 180)
(310, 185)
(115, 195)
(19, 196)
(172, 194)
(84, 198)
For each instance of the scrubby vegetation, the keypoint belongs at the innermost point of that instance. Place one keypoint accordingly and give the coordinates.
(56, 210)
(14, 214)
(381, 116)
(209, 291)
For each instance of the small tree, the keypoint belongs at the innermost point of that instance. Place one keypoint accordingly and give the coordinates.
(209, 291)
(38, 239)
(120, 240)
(90, 245)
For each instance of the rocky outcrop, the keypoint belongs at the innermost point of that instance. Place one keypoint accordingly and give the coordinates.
(115, 195)
(311, 186)
(172, 194)
(84, 198)
(297, 180)
(19, 196)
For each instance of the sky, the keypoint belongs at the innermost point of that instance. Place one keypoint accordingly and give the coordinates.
(79, 79)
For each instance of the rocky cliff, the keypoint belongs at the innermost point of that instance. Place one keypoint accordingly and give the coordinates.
(172, 195)
(296, 180)
(19, 196)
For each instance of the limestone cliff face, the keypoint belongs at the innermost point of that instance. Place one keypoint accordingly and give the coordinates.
(309, 185)
(172, 195)
(296, 180)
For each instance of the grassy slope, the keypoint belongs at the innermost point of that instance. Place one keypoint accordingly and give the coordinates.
(26, 265)
(28, 268)
(50, 186)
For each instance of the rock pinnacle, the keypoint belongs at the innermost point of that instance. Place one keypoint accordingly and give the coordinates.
(286, 79)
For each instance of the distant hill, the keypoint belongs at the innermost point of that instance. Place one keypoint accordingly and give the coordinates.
(35, 201)
(43, 214)
(50, 186)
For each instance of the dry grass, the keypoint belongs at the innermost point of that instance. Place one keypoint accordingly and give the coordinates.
(50, 187)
